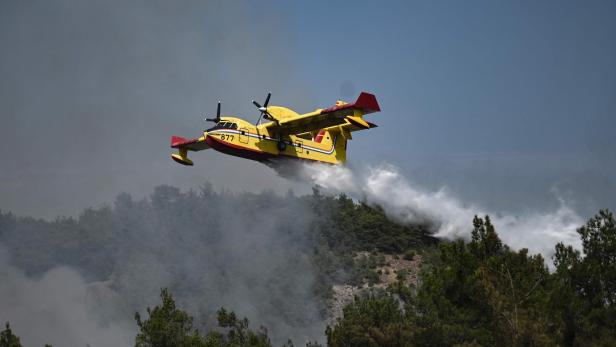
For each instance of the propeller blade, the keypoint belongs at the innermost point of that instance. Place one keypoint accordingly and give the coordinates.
(262, 109)
(267, 99)
(218, 111)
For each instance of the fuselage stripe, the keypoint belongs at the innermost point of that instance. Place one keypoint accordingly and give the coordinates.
(262, 137)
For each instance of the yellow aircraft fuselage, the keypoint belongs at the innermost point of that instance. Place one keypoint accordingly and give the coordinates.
(259, 143)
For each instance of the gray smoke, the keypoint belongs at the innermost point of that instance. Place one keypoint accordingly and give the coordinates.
(59, 308)
(92, 91)
(247, 252)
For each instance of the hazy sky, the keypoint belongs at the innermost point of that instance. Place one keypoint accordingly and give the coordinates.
(509, 104)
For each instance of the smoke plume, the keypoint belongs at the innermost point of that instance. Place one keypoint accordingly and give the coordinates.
(59, 308)
(249, 253)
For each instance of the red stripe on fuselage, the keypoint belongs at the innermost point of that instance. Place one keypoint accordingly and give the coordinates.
(237, 151)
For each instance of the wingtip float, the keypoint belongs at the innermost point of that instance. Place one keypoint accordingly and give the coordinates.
(319, 136)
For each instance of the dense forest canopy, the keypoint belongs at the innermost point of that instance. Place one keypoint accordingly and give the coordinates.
(276, 259)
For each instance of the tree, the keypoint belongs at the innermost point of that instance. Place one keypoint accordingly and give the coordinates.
(599, 244)
(483, 293)
(371, 321)
(238, 333)
(8, 339)
(166, 325)
(583, 300)
(485, 242)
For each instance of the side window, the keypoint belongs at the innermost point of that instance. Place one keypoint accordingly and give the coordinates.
(233, 126)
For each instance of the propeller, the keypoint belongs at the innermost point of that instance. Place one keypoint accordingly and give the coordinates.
(217, 119)
(263, 109)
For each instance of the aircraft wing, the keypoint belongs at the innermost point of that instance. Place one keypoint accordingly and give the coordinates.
(184, 145)
(342, 114)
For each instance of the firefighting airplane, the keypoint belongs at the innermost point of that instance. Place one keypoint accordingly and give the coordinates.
(319, 136)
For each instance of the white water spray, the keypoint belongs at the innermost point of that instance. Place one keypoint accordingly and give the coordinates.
(385, 186)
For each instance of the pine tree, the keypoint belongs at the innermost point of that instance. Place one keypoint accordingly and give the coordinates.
(8, 339)
(166, 325)
(583, 301)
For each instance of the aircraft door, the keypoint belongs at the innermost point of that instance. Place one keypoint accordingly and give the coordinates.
(244, 135)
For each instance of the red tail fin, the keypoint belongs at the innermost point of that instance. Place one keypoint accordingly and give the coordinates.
(367, 102)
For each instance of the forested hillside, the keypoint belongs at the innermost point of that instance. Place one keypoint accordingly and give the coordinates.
(481, 293)
(272, 258)
(277, 259)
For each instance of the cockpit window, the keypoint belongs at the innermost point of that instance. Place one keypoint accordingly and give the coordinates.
(223, 125)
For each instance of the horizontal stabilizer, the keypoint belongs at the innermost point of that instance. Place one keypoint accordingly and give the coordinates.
(358, 122)
(189, 144)
(184, 145)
